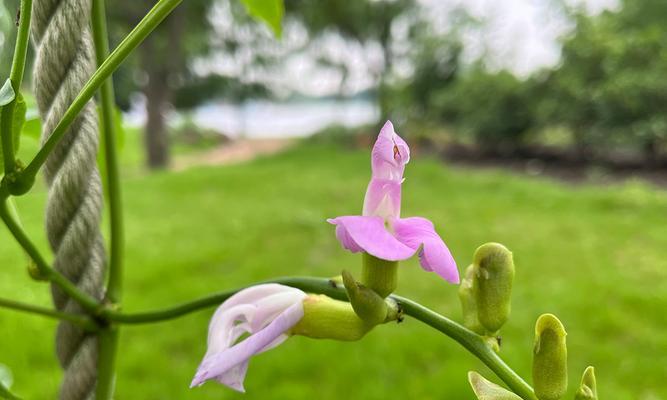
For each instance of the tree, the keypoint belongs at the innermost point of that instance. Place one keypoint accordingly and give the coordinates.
(361, 21)
(162, 65)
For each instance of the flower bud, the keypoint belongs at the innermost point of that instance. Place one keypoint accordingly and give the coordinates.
(487, 390)
(549, 358)
(588, 389)
(494, 273)
(326, 318)
(468, 302)
(367, 304)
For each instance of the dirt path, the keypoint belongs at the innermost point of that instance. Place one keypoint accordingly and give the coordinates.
(234, 152)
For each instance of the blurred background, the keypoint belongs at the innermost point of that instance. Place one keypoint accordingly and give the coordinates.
(541, 124)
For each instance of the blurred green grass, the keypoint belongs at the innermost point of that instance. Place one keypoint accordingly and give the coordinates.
(595, 256)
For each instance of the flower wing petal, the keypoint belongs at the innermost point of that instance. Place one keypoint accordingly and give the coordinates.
(370, 235)
(434, 255)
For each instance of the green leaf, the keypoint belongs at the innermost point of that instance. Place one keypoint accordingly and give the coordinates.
(269, 11)
(487, 390)
(32, 128)
(7, 93)
(5, 383)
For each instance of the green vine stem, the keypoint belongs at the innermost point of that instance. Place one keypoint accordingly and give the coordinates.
(16, 78)
(108, 337)
(108, 110)
(471, 341)
(159, 12)
(87, 302)
(81, 320)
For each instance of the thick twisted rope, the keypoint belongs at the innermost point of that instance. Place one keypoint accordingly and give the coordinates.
(65, 60)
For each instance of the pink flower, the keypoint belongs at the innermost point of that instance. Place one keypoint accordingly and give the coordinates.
(380, 231)
(266, 312)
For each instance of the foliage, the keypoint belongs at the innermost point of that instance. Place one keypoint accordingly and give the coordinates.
(611, 84)
(494, 108)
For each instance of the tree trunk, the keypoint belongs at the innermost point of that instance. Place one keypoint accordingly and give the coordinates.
(162, 60)
(156, 138)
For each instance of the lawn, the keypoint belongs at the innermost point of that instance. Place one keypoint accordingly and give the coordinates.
(594, 256)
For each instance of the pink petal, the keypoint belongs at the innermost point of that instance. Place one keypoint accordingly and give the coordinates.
(390, 154)
(370, 235)
(383, 199)
(434, 256)
(229, 366)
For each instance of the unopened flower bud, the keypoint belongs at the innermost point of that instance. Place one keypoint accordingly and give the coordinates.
(487, 390)
(494, 273)
(549, 358)
(588, 389)
(367, 304)
(468, 302)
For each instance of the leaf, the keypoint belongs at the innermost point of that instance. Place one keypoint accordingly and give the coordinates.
(32, 128)
(269, 11)
(7, 93)
(6, 382)
(487, 390)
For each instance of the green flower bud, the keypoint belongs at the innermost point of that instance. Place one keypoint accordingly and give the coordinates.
(468, 302)
(379, 275)
(494, 273)
(368, 305)
(326, 318)
(549, 358)
(588, 389)
(487, 390)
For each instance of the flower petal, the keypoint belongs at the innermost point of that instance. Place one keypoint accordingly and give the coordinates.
(229, 366)
(390, 154)
(383, 199)
(370, 235)
(434, 256)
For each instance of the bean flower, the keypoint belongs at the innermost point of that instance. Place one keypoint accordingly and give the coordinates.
(380, 231)
(266, 312)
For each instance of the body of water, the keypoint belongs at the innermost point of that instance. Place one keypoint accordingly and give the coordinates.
(267, 119)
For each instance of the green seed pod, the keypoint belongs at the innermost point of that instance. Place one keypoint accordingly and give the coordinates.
(549, 358)
(588, 389)
(368, 305)
(468, 302)
(494, 273)
(487, 390)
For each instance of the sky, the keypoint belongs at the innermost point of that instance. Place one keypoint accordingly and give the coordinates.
(519, 35)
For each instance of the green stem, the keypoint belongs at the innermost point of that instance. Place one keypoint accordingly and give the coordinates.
(471, 341)
(108, 337)
(106, 372)
(120, 53)
(77, 319)
(107, 105)
(87, 302)
(16, 78)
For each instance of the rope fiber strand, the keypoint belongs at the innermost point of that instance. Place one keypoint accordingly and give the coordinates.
(65, 60)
